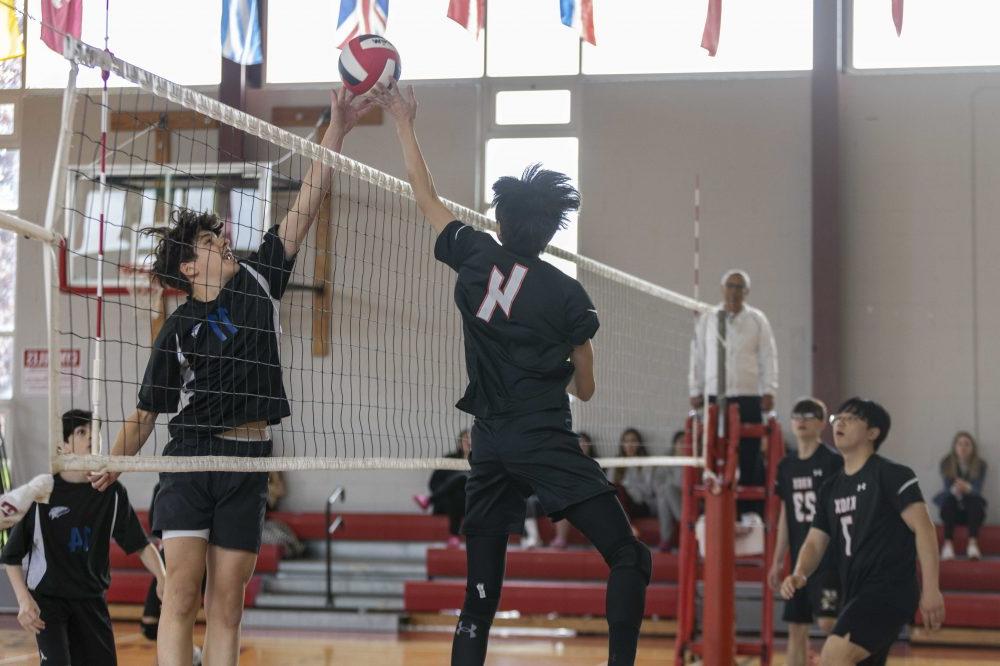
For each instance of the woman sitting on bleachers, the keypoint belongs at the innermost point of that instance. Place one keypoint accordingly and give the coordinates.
(448, 491)
(961, 502)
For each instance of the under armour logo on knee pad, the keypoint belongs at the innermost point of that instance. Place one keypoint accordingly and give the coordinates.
(462, 629)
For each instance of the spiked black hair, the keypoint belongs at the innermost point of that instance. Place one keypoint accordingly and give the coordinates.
(532, 208)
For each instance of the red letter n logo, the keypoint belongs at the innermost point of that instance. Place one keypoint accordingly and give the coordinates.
(503, 297)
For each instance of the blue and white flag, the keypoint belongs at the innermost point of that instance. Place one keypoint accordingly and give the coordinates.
(360, 17)
(241, 32)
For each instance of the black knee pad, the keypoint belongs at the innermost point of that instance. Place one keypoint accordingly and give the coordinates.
(632, 555)
(480, 602)
(149, 630)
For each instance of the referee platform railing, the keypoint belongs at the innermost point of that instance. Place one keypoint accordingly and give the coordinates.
(716, 493)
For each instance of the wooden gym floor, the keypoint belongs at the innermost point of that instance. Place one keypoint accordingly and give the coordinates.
(273, 648)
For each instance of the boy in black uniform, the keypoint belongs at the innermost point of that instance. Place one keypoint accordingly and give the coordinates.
(800, 475)
(57, 560)
(875, 515)
(216, 363)
(527, 329)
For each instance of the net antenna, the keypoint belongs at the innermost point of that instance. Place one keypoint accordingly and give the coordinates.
(380, 394)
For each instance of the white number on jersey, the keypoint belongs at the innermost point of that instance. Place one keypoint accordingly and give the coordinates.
(805, 505)
(845, 524)
(503, 297)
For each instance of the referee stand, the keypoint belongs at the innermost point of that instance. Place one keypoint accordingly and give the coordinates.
(716, 644)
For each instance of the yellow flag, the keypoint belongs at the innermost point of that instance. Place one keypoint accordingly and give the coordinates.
(11, 43)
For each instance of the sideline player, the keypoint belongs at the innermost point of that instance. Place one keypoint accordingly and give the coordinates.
(527, 329)
(875, 515)
(58, 559)
(216, 359)
(801, 473)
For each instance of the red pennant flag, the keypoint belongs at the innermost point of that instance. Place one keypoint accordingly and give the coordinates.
(60, 18)
(897, 15)
(713, 22)
(470, 14)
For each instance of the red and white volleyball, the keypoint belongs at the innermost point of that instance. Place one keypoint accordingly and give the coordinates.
(367, 60)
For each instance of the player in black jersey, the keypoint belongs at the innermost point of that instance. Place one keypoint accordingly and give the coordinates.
(876, 518)
(527, 329)
(58, 560)
(215, 362)
(800, 475)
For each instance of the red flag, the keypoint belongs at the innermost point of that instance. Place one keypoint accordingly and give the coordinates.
(470, 14)
(897, 16)
(713, 22)
(60, 18)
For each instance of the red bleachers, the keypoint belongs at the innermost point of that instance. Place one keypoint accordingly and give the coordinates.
(970, 609)
(536, 598)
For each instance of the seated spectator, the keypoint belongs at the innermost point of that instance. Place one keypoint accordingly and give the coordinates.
(635, 485)
(961, 502)
(275, 531)
(668, 485)
(447, 488)
(562, 526)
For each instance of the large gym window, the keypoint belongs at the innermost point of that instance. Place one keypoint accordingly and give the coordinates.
(301, 47)
(173, 39)
(11, 92)
(956, 33)
(656, 37)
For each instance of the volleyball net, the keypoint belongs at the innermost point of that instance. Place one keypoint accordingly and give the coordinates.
(371, 345)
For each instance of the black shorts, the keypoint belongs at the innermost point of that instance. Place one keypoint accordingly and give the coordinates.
(819, 598)
(230, 505)
(77, 631)
(515, 457)
(871, 622)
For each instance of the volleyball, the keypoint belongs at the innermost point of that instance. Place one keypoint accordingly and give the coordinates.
(367, 60)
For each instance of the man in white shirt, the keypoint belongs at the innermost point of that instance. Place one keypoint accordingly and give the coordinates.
(750, 365)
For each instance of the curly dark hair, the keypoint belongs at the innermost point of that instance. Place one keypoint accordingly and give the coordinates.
(532, 208)
(176, 245)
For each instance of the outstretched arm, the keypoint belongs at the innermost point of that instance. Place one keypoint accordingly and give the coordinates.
(918, 519)
(343, 117)
(403, 110)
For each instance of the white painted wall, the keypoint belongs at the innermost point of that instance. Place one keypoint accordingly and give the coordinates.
(920, 162)
(641, 145)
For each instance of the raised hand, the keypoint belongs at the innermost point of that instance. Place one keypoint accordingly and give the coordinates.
(345, 113)
(402, 108)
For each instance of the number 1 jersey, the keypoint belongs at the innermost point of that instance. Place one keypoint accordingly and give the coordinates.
(876, 550)
(521, 318)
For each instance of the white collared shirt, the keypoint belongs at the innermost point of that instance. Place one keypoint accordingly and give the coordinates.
(751, 355)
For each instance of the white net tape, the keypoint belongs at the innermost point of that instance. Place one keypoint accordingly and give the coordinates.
(371, 349)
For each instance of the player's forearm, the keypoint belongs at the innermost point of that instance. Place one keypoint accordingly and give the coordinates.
(134, 433)
(151, 560)
(314, 188)
(809, 558)
(927, 553)
(781, 542)
(416, 167)
(583, 385)
(16, 576)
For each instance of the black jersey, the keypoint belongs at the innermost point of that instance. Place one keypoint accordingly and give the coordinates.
(521, 318)
(876, 550)
(65, 545)
(218, 361)
(798, 484)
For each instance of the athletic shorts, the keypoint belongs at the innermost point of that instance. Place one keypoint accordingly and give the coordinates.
(871, 622)
(230, 505)
(77, 631)
(513, 458)
(819, 598)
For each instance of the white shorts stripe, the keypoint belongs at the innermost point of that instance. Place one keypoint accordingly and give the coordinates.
(174, 534)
